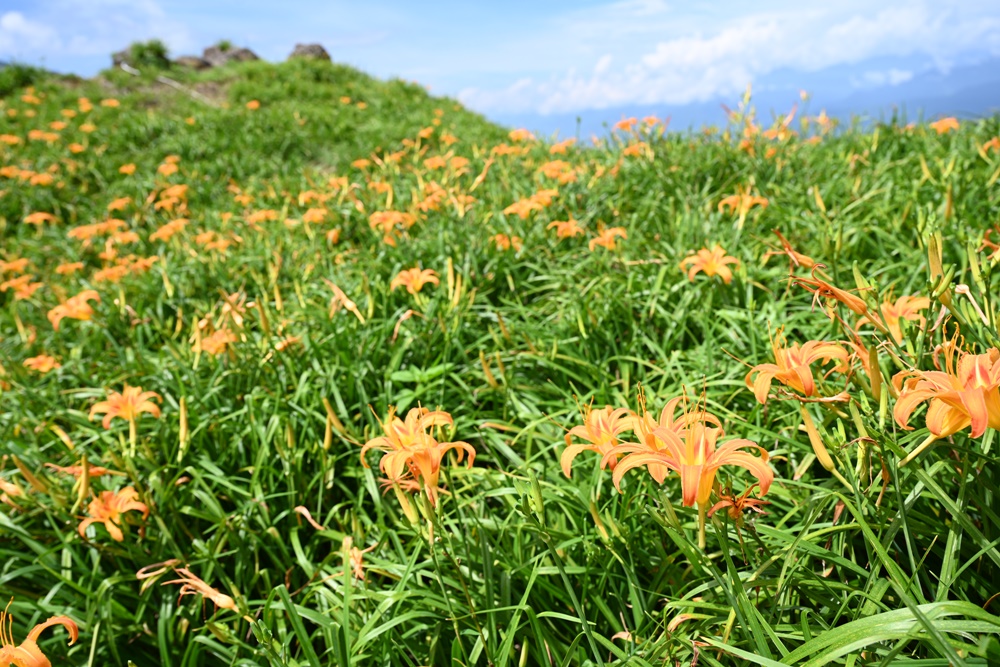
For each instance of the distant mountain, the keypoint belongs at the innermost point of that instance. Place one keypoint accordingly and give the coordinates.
(968, 91)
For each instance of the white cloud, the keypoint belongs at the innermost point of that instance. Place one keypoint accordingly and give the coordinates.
(703, 64)
(18, 33)
(66, 29)
(878, 78)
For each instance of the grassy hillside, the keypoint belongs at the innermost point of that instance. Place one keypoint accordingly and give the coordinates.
(248, 270)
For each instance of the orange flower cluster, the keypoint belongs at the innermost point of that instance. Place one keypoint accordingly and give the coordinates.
(686, 443)
(412, 454)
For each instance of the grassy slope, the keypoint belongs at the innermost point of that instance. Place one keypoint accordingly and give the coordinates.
(528, 336)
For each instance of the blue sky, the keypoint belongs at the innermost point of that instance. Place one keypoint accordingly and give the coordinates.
(538, 59)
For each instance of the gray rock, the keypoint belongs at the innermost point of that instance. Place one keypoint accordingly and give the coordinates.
(192, 62)
(217, 56)
(119, 57)
(314, 51)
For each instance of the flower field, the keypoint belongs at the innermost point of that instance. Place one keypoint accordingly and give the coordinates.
(299, 367)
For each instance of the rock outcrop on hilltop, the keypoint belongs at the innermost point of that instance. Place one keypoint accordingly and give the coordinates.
(315, 51)
(216, 55)
(224, 53)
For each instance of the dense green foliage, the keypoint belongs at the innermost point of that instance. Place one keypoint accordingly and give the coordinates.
(518, 564)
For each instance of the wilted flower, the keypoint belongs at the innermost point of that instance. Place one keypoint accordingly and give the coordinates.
(795, 259)
(822, 289)
(191, 584)
(737, 505)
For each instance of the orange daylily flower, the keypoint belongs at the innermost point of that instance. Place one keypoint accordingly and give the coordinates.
(991, 145)
(505, 242)
(435, 162)
(110, 102)
(216, 343)
(315, 215)
(127, 169)
(562, 146)
(39, 218)
(625, 124)
(22, 286)
(414, 279)
(795, 259)
(906, 308)
(792, 366)
(253, 105)
(822, 289)
(521, 135)
(168, 230)
(87, 232)
(108, 507)
(27, 653)
(523, 208)
(606, 238)
(965, 394)
(43, 363)
(191, 584)
(410, 450)
(19, 265)
(638, 148)
(696, 456)
(119, 204)
(559, 170)
(600, 429)
(75, 308)
(710, 262)
(741, 203)
(128, 405)
(9, 139)
(944, 125)
(645, 427)
(566, 229)
(112, 274)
